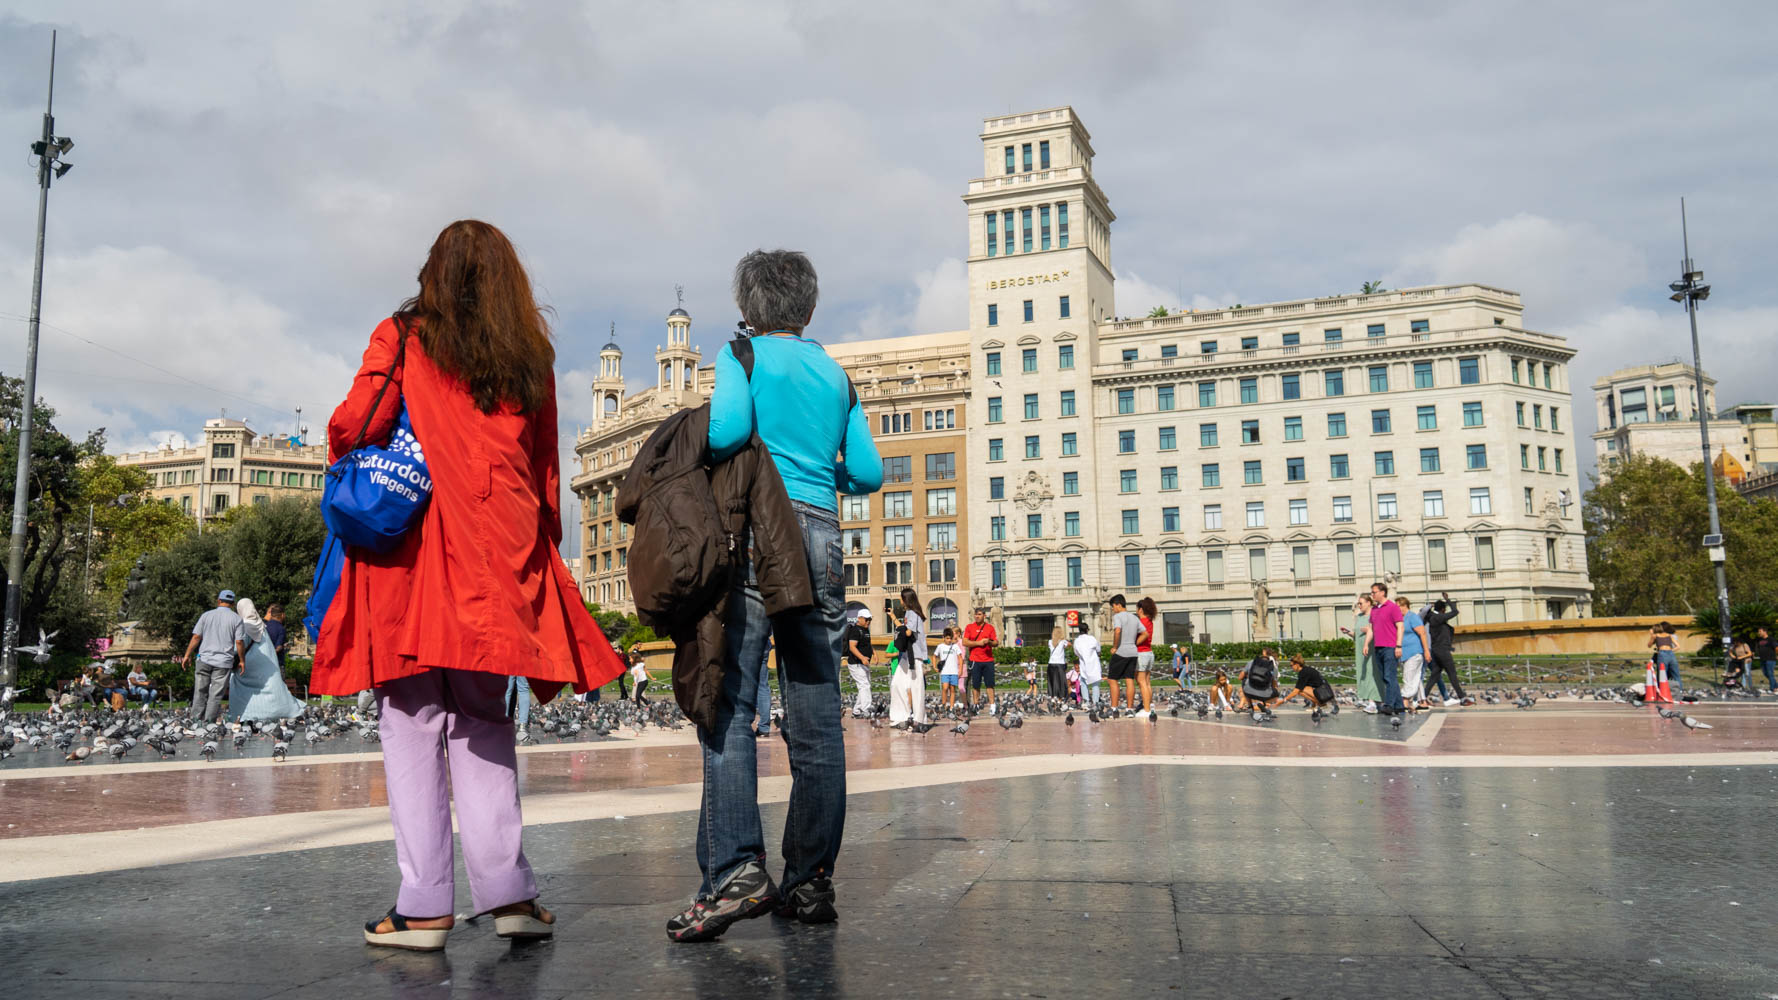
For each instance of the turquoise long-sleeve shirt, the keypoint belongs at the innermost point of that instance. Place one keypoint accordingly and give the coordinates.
(797, 400)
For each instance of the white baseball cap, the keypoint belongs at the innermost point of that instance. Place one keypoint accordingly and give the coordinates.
(864, 613)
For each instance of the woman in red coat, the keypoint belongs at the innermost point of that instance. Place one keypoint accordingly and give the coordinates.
(475, 593)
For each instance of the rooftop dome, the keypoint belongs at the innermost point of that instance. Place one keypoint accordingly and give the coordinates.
(611, 347)
(679, 312)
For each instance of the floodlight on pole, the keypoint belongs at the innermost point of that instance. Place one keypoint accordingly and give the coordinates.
(48, 149)
(1690, 290)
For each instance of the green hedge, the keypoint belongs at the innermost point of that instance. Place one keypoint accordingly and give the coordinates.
(1311, 649)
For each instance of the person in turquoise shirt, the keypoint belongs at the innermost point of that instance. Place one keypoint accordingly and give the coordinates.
(1413, 656)
(799, 402)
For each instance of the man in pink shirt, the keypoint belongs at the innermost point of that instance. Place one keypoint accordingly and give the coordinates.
(1385, 634)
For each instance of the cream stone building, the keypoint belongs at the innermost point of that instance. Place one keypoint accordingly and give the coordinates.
(1252, 469)
(1653, 410)
(231, 466)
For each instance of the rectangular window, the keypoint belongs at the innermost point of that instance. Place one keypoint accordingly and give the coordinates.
(1169, 351)
(898, 469)
(1542, 459)
(1007, 234)
(1476, 456)
(1481, 502)
(942, 537)
(1043, 226)
(1126, 481)
(1429, 460)
(1030, 406)
(1299, 561)
(1065, 357)
(1043, 155)
(941, 503)
(1129, 354)
(1515, 367)
(996, 488)
(1419, 326)
(1295, 470)
(993, 235)
(993, 314)
(1034, 574)
(1070, 444)
(1025, 227)
(1132, 522)
(1293, 340)
(1346, 560)
(1537, 416)
(1392, 557)
(1386, 507)
(1422, 374)
(1068, 402)
(997, 528)
(1293, 428)
(1126, 442)
(996, 450)
(997, 574)
(993, 362)
(1433, 503)
(1249, 343)
(1250, 432)
(1071, 484)
(1374, 330)
(898, 539)
(1299, 512)
(1074, 575)
(1385, 463)
(1249, 390)
(1028, 360)
(1332, 335)
(1549, 380)
(1212, 474)
(1426, 418)
(1558, 460)
(1213, 567)
(1009, 160)
(1336, 425)
(1163, 397)
(941, 465)
(1291, 386)
(1213, 517)
(1169, 518)
(1167, 439)
(1028, 317)
(1524, 456)
(1380, 422)
(1379, 376)
(1169, 477)
(1025, 152)
(898, 504)
(1334, 383)
(1529, 504)
(1436, 560)
(1062, 224)
(1032, 448)
(1338, 467)
(1033, 525)
(1126, 401)
(1469, 371)
(1175, 575)
(1250, 474)
(1472, 414)
(1132, 570)
(1071, 524)
(1206, 347)
(1062, 308)
(1256, 564)
(994, 413)
(1206, 394)
(1484, 554)
(1207, 435)
(1519, 411)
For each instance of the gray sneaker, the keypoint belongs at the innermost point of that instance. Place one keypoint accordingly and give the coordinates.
(810, 903)
(747, 893)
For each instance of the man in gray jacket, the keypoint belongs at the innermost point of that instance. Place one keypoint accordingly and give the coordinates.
(219, 639)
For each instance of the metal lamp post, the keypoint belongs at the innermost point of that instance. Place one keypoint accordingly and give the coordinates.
(48, 149)
(1690, 290)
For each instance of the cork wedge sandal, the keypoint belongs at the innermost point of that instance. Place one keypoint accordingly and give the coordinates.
(395, 931)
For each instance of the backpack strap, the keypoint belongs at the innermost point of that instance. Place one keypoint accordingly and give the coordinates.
(742, 348)
(398, 365)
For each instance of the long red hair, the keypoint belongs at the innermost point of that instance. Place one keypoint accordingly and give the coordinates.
(477, 319)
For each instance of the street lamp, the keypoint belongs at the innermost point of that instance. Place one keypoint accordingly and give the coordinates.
(49, 150)
(1690, 290)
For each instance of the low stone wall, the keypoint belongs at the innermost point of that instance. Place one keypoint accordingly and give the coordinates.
(1627, 636)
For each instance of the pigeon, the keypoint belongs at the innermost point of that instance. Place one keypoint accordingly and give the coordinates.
(279, 749)
(1219, 713)
(1093, 715)
(1068, 720)
(1691, 723)
(1395, 722)
(240, 740)
(117, 750)
(925, 727)
(1154, 717)
(80, 753)
(40, 652)
(961, 728)
(1668, 713)
(209, 750)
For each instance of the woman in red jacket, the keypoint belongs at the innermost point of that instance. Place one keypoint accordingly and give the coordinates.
(475, 593)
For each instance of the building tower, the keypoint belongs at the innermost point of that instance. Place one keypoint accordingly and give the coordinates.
(608, 388)
(677, 363)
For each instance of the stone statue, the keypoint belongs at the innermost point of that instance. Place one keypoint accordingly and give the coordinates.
(1262, 599)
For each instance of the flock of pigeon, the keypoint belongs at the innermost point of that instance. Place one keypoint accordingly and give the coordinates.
(147, 733)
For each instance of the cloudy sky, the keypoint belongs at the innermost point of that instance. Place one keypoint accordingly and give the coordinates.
(256, 184)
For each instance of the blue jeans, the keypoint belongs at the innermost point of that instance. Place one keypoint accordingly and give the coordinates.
(1668, 661)
(146, 695)
(1770, 667)
(763, 700)
(1389, 673)
(521, 709)
(729, 833)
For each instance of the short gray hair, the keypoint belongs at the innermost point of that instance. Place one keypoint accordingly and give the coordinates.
(775, 289)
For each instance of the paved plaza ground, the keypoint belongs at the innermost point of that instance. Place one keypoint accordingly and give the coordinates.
(1577, 849)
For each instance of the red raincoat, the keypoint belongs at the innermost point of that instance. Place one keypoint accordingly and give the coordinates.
(478, 583)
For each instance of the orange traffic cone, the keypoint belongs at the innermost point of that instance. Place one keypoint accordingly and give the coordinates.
(1651, 683)
(1666, 693)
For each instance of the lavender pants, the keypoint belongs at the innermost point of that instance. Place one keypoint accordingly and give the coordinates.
(453, 719)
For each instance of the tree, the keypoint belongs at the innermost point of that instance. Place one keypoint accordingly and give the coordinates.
(55, 492)
(263, 551)
(1745, 618)
(1372, 287)
(1159, 312)
(1645, 522)
(127, 523)
(182, 583)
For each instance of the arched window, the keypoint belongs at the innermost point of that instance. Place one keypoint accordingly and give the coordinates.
(941, 613)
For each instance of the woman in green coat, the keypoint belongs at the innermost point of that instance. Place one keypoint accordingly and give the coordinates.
(1369, 692)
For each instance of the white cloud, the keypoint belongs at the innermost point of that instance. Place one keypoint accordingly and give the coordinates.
(943, 298)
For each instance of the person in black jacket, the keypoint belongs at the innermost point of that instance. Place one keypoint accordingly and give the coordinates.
(1440, 631)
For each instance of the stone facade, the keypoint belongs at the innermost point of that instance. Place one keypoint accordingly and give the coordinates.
(231, 466)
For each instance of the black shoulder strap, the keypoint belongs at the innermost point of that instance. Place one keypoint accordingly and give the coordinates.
(742, 347)
(388, 377)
